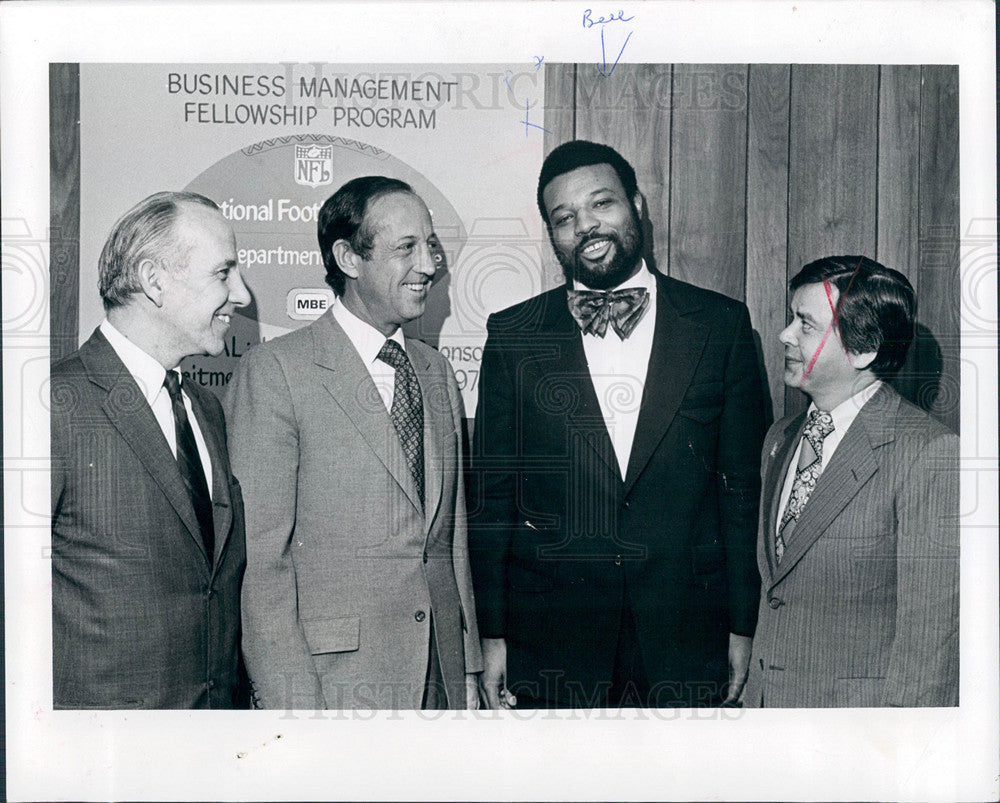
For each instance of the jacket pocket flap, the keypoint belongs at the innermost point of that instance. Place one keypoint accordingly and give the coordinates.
(342, 634)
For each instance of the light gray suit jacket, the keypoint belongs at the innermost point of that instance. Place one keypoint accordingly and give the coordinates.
(344, 567)
(863, 608)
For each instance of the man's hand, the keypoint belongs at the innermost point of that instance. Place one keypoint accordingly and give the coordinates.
(472, 691)
(493, 680)
(739, 666)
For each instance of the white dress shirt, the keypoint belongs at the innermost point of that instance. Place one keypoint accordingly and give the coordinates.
(149, 375)
(843, 416)
(368, 342)
(618, 369)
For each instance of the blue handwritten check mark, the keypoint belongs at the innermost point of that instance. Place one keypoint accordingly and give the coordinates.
(589, 22)
(603, 70)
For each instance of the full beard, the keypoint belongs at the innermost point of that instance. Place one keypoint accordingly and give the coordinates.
(628, 250)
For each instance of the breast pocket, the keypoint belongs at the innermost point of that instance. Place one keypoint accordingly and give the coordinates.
(702, 402)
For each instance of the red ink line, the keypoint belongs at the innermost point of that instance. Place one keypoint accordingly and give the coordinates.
(815, 356)
(835, 309)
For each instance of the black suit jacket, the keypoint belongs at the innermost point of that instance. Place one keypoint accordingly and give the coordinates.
(140, 619)
(558, 539)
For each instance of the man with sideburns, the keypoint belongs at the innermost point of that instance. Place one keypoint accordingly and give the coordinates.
(614, 484)
(858, 545)
(347, 436)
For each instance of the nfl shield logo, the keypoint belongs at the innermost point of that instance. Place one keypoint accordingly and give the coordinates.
(313, 165)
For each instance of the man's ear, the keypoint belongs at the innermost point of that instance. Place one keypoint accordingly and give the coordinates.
(346, 258)
(861, 362)
(151, 275)
(638, 201)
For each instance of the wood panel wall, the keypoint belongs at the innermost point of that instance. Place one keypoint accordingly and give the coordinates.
(751, 171)
(64, 209)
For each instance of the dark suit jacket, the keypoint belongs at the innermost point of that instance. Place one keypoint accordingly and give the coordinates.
(557, 537)
(139, 618)
(863, 608)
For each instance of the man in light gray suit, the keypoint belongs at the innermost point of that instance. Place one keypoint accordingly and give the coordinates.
(858, 544)
(347, 437)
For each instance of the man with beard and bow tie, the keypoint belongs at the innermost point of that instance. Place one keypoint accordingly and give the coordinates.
(614, 484)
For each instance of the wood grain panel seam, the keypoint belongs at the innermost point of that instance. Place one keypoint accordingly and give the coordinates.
(878, 148)
(746, 190)
(669, 189)
(575, 73)
(918, 271)
(788, 189)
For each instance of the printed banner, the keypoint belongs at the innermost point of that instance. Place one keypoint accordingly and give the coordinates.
(270, 143)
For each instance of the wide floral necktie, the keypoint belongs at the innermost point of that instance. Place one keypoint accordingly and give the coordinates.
(810, 466)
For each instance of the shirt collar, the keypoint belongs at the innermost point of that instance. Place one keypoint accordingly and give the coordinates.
(146, 370)
(366, 339)
(843, 414)
(643, 279)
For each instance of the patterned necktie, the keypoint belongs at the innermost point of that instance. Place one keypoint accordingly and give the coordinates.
(189, 462)
(595, 309)
(407, 411)
(818, 426)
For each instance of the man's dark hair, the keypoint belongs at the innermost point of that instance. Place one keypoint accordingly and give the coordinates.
(343, 217)
(581, 153)
(876, 307)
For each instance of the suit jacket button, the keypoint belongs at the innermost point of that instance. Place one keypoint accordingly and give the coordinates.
(618, 560)
(775, 603)
(420, 616)
(211, 684)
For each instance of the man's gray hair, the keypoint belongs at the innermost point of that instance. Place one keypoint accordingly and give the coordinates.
(144, 232)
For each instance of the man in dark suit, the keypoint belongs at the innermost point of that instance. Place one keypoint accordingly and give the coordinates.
(858, 542)
(147, 529)
(347, 436)
(615, 477)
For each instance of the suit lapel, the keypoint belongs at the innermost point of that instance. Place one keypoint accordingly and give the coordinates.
(774, 478)
(438, 423)
(677, 346)
(586, 416)
(222, 511)
(130, 414)
(852, 465)
(352, 387)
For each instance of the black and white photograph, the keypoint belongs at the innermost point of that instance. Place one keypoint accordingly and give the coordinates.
(500, 401)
